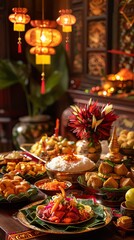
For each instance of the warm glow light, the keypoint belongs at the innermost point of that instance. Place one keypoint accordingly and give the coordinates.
(43, 41)
(104, 93)
(66, 20)
(111, 90)
(43, 37)
(117, 77)
(19, 18)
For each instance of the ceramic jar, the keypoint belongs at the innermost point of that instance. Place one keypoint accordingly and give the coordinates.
(30, 129)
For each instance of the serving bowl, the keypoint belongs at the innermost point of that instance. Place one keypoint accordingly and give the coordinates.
(127, 211)
(64, 176)
(14, 156)
(51, 186)
(68, 167)
(127, 151)
(110, 197)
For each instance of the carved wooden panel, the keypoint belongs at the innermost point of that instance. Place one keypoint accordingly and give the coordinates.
(97, 7)
(126, 35)
(97, 34)
(90, 40)
(96, 62)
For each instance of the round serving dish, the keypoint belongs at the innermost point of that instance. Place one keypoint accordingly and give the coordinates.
(14, 156)
(106, 217)
(52, 189)
(107, 196)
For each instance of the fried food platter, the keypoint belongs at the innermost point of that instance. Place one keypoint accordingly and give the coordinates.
(110, 197)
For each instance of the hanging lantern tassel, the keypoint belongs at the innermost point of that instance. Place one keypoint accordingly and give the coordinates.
(42, 83)
(67, 46)
(66, 20)
(19, 44)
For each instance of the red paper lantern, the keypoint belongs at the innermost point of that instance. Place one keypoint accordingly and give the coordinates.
(43, 37)
(19, 18)
(66, 20)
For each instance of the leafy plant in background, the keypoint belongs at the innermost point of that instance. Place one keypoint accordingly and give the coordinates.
(14, 72)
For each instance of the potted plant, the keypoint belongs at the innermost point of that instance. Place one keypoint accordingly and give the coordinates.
(14, 72)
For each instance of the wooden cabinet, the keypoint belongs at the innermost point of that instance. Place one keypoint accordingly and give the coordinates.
(91, 39)
(100, 27)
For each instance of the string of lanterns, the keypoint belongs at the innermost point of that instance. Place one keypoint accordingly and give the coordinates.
(44, 36)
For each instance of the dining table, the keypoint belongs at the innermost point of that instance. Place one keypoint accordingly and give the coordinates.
(13, 229)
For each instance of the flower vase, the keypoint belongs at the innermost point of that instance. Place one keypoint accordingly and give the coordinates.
(89, 149)
(31, 129)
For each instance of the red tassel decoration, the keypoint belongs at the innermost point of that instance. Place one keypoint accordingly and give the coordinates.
(19, 48)
(43, 84)
(67, 44)
(19, 45)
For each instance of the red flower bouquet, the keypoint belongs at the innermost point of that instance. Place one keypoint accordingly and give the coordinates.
(92, 122)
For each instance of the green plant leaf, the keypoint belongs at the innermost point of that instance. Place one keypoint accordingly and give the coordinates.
(56, 79)
(12, 73)
(53, 80)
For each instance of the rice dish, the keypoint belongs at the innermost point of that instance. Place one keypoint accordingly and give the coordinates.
(60, 163)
